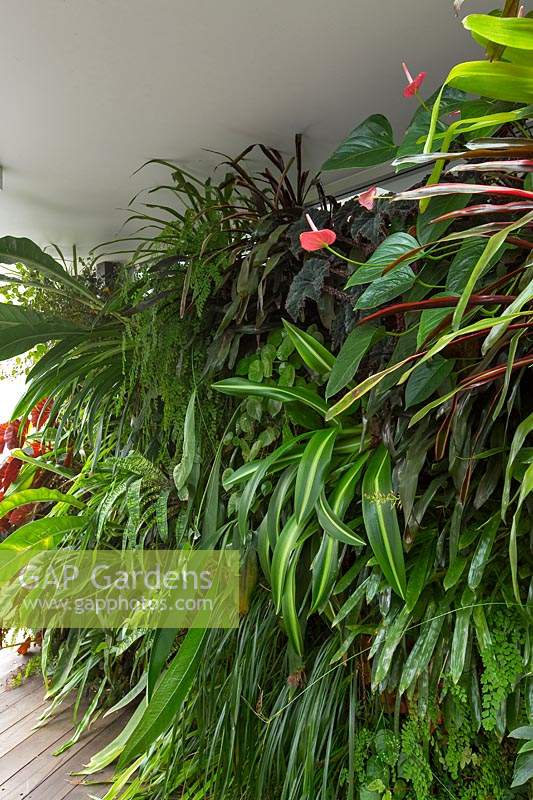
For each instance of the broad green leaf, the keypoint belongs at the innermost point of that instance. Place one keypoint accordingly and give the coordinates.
(238, 387)
(483, 551)
(523, 769)
(41, 532)
(15, 251)
(426, 379)
(387, 287)
(289, 609)
(167, 698)
(28, 496)
(365, 386)
(525, 297)
(494, 79)
(311, 474)
(429, 321)
(349, 357)
(333, 525)
(313, 354)
(355, 598)
(417, 575)
(493, 246)
(420, 655)
(461, 265)
(393, 635)
(426, 229)
(461, 634)
(285, 546)
(22, 328)
(369, 144)
(162, 645)
(522, 431)
(393, 247)
(183, 470)
(509, 31)
(381, 522)
(324, 569)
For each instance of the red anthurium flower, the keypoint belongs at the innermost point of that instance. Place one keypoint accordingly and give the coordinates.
(366, 199)
(413, 84)
(316, 239)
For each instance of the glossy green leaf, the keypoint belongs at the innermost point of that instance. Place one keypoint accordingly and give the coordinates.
(168, 696)
(286, 544)
(426, 379)
(239, 387)
(369, 144)
(350, 355)
(420, 655)
(289, 609)
(483, 550)
(392, 248)
(393, 635)
(460, 635)
(313, 354)
(27, 496)
(19, 250)
(183, 469)
(324, 570)
(494, 79)
(509, 31)
(311, 473)
(43, 533)
(333, 525)
(162, 645)
(386, 288)
(381, 521)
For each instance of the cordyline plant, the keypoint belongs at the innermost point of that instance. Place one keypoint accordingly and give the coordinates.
(352, 410)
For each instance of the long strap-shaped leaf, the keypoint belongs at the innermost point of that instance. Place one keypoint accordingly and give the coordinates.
(167, 697)
(14, 251)
(380, 519)
(311, 474)
(313, 354)
(239, 387)
(257, 477)
(333, 525)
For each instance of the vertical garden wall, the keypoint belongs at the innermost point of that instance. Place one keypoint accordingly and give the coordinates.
(343, 393)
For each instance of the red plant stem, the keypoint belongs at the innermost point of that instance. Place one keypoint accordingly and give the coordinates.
(439, 302)
(473, 381)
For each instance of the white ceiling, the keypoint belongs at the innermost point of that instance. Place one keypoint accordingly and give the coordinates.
(90, 89)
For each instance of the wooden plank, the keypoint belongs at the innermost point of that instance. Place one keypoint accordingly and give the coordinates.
(9, 697)
(48, 777)
(20, 744)
(33, 703)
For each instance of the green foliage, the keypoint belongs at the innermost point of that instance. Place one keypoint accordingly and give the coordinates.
(371, 458)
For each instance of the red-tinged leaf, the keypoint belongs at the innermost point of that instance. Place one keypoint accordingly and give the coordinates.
(438, 302)
(484, 208)
(24, 647)
(518, 165)
(460, 188)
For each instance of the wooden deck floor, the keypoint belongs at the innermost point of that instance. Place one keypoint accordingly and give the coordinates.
(28, 768)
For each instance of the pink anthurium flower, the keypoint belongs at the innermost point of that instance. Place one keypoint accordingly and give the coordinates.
(316, 239)
(367, 198)
(413, 84)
